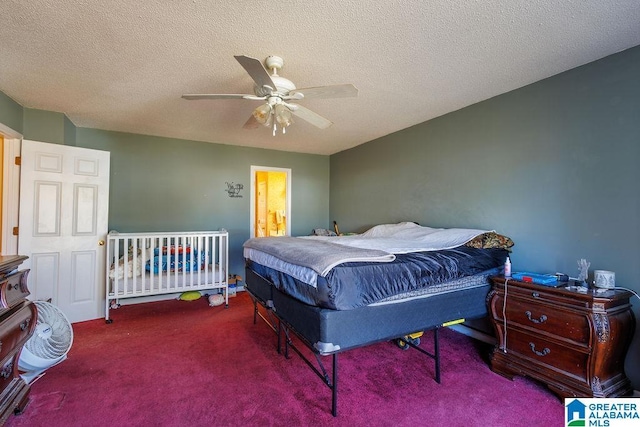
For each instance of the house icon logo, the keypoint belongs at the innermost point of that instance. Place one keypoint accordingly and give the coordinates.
(576, 413)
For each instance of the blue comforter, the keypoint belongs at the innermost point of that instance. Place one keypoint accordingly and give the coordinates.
(357, 284)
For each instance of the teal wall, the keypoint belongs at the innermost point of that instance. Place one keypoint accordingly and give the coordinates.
(554, 165)
(163, 184)
(45, 126)
(69, 132)
(11, 113)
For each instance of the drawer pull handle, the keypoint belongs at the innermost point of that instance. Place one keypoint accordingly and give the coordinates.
(24, 325)
(542, 318)
(7, 370)
(544, 351)
(535, 295)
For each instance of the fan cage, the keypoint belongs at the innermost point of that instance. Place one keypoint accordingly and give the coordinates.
(59, 343)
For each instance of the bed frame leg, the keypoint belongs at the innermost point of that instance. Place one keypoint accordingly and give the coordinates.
(334, 387)
(255, 311)
(282, 332)
(436, 351)
(286, 348)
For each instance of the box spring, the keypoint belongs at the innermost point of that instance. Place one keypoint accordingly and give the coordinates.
(328, 331)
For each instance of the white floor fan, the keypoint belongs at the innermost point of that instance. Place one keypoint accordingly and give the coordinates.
(277, 92)
(49, 344)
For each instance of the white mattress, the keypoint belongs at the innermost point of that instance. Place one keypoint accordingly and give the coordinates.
(477, 280)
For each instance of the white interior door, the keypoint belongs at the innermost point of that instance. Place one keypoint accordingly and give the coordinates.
(64, 205)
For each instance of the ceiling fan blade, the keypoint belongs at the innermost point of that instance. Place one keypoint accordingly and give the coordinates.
(335, 91)
(256, 70)
(196, 96)
(311, 117)
(251, 123)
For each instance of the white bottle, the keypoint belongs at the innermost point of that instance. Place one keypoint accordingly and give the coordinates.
(507, 268)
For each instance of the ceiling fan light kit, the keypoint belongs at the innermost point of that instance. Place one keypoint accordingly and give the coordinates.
(276, 91)
(263, 114)
(274, 107)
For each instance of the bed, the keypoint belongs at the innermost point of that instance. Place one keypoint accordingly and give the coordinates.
(151, 264)
(389, 283)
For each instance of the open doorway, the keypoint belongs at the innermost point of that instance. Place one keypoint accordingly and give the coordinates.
(270, 201)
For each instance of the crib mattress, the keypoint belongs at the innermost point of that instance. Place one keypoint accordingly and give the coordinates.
(167, 282)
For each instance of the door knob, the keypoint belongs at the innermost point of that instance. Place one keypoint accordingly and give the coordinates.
(100, 242)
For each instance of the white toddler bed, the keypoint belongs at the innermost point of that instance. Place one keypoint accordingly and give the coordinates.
(147, 264)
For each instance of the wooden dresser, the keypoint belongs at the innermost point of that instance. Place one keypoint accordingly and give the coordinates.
(17, 323)
(574, 341)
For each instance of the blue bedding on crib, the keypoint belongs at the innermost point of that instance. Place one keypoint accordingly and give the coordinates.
(173, 259)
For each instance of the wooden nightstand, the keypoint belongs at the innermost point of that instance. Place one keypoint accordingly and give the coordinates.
(17, 323)
(575, 342)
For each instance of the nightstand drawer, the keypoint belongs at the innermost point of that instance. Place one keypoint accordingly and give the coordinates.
(546, 352)
(543, 317)
(6, 373)
(16, 328)
(13, 289)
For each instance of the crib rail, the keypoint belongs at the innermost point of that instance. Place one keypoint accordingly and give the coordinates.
(146, 264)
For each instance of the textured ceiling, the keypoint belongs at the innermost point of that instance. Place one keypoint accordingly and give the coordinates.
(123, 65)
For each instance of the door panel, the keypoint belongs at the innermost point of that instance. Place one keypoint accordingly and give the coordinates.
(85, 209)
(46, 212)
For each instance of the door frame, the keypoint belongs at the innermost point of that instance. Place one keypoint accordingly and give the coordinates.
(10, 189)
(252, 209)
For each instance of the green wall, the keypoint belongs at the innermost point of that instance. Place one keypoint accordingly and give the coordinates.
(11, 113)
(163, 184)
(554, 165)
(69, 132)
(45, 126)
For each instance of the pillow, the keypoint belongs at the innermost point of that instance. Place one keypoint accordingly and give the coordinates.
(491, 240)
(390, 230)
(189, 296)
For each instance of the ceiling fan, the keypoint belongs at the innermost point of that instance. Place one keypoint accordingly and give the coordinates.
(278, 92)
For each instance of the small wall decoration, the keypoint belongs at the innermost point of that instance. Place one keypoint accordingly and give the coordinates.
(234, 189)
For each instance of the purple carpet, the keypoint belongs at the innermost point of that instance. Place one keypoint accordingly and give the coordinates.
(178, 363)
